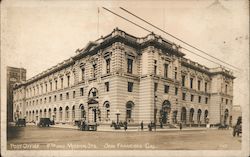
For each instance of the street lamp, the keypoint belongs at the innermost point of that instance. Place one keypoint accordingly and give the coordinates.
(117, 116)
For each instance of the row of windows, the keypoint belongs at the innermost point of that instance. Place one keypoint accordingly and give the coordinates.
(192, 83)
(226, 101)
(192, 97)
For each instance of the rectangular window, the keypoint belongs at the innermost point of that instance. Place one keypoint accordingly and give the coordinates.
(176, 90)
(83, 74)
(108, 65)
(45, 100)
(61, 83)
(50, 99)
(74, 94)
(183, 96)
(67, 95)
(155, 86)
(94, 70)
(130, 86)
(183, 80)
(222, 100)
(226, 101)
(231, 101)
(107, 86)
(166, 88)
(61, 97)
(199, 99)
(165, 70)
(206, 100)
(226, 89)
(56, 84)
(192, 97)
(155, 67)
(130, 65)
(199, 85)
(50, 86)
(46, 87)
(175, 75)
(81, 92)
(55, 98)
(205, 86)
(191, 83)
(68, 81)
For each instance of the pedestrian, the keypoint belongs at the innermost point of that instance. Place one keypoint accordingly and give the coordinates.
(149, 127)
(155, 126)
(161, 124)
(141, 125)
(125, 125)
(180, 126)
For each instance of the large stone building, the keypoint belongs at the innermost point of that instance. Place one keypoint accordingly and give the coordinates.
(134, 79)
(14, 75)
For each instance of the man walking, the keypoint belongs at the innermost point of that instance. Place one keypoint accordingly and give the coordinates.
(141, 125)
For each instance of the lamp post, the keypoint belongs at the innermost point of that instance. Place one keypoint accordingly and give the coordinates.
(117, 116)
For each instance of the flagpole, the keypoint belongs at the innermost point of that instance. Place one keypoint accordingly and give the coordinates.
(98, 11)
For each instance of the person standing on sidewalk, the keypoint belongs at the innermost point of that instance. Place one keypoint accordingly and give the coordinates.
(125, 125)
(141, 125)
(180, 126)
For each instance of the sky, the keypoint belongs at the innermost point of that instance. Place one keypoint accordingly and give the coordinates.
(37, 35)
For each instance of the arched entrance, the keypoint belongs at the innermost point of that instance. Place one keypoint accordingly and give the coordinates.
(206, 120)
(129, 109)
(94, 112)
(183, 114)
(226, 113)
(165, 111)
(106, 105)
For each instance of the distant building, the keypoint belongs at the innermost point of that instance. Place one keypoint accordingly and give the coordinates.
(14, 75)
(138, 79)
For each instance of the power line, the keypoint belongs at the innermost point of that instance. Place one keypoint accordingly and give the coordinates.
(126, 19)
(178, 39)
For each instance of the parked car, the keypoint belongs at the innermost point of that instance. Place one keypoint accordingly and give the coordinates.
(44, 122)
(21, 122)
(84, 126)
(237, 129)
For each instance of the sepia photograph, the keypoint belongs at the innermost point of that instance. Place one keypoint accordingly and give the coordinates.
(125, 78)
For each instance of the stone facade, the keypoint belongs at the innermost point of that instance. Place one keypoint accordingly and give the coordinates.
(133, 79)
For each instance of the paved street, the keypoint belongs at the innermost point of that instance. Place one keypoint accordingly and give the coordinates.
(32, 137)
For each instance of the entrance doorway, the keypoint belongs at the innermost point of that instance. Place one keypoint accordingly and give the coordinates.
(165, 111)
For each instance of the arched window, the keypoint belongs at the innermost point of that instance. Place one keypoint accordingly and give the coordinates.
(49, 113)
(40, 114)
(73, 112)
(54, 114)
(191, 115)
(206, 116)
(183, 114)
(60, 113)
(67, 113)
(82, 111)
(45, 113)
(199, 116)
(129, 108)
(107, 109)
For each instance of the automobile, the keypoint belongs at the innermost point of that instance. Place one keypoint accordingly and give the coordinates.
(21, 122)
(44, 122)
(237, 129)
(84, 126)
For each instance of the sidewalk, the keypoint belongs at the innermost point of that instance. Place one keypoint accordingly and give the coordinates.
(133, 129)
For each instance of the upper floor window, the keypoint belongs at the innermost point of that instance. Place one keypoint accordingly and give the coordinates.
(226, 101)
(199, 99)
(199, 85)
(50, 99)
(192, 97)
(165, 70)
(61, 82)
(74, 94)
(107, 86)
(83, 73)
(226, 89)
(175, 75)
(222, 100)
(81, 91)
(61, 96)
(191, 83)
(206, 100)
(183, 80)
(130, 65)
(56, 84)
(68, 80)
(130, 86)
(67, 95)
(46, 87)
(94, 70)
(205, 86)
(50, 86)
(183, 96)
(155, 67)
(166, 88)
(54, 97)
(176, 90)
(108, 65)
